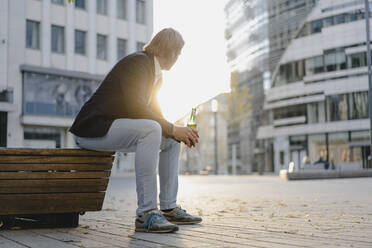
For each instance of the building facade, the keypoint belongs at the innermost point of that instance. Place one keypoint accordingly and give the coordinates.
(53, 55)
(318, 104)
(201, 159)
(257, 32)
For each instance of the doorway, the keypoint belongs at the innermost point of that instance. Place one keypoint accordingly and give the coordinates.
(3, 128)
(366, 157)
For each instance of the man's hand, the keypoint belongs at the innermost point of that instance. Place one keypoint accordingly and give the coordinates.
(187, 135)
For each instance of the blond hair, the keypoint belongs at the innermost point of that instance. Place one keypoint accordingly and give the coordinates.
(165, 42)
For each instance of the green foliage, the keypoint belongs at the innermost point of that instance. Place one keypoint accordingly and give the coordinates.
(238, 105)
(69, 1)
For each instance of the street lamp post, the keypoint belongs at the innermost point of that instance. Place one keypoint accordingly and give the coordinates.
(214, 110)
(366, 16)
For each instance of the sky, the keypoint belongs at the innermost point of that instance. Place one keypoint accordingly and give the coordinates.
(201, 71)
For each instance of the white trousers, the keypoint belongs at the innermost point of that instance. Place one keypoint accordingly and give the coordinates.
(144, 137)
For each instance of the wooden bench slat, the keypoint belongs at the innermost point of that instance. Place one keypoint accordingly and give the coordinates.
(59, 159)
(52, 166)
(53, 152)
(50, 203)
(53, 185)
(54, 175)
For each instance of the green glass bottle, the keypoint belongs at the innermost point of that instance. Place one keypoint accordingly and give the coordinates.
(192, 121)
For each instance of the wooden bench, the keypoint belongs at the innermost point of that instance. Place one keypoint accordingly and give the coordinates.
(52, 186)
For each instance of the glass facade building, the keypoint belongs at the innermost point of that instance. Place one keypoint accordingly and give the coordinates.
(257, 32)
(318, 101)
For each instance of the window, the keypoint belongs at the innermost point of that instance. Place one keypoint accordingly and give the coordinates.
(32, 34)
(290, 111)
(61, 2)
(140, 46)
(359, 146)
(340, 19)
(328, 22)
(55, 95)
(101, 47)
(80, 42)
(317, 148)
(358, 105)
(357, 60)
(121, 48)
(330, 61)
(3, 128)
(314, 65)
(298, 140)
(316, 26)
(58, 39)
(121, 8)
(102, 7)
(281, 157)
(337, 109)
(42, 137)
(316, 112)
(334, 59)
(140, 11)
(299, 70)
(312, 113)
(350, 17)
(338, 147)
(80, 4)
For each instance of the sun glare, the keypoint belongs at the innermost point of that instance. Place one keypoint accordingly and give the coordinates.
(201, 71)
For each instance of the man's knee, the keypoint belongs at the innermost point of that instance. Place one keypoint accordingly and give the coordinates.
(153, 127)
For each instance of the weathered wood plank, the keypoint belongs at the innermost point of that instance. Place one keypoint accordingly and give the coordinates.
(6, 243)
(71, 239)
(50, 203)
(53, 175)
(261, 237)
(82, 234)
(53, 166)
(53, 152)
(55, 159)
(34, 240)
(53, 185)
(178, 239)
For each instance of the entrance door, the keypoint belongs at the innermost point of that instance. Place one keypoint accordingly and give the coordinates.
(297, 157)
(366, 157)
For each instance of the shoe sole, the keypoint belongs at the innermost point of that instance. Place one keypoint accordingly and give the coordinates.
(157, 231)
(184, 223)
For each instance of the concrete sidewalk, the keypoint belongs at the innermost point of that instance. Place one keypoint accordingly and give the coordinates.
(241, 211)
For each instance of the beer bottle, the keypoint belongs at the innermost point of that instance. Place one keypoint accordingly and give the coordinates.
(192, 121)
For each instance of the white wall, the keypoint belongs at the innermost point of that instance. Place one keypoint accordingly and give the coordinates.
(13, 15)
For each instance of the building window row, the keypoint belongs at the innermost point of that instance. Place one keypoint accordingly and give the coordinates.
(58, 41)
(342, 107)
(78, 3)
(331, 60)
(334, 150)
(316, 26)
(121, 8)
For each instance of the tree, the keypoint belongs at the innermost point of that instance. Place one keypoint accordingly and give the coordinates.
(238, 104)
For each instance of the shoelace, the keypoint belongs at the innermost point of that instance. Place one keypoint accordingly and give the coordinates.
(182, 210)
(153, 218)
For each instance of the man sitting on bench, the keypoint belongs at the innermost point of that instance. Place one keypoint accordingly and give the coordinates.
(124, 115)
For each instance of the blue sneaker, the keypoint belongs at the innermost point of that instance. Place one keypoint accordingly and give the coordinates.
(181, 217)
(153, 221)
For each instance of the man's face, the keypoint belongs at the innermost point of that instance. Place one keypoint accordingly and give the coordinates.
(167, 62)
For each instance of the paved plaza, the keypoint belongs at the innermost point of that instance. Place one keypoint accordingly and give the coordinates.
(241, 211)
